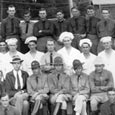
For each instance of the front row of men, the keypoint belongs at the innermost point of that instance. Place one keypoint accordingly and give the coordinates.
(57, 87)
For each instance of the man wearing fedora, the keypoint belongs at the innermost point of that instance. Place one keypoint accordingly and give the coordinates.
(59, 85)
(15, 84)
(80, 88)
(37, 87)
(100, 81)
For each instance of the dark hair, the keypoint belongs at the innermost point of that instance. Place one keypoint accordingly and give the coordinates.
(111, 89)
(59, 10)
(42, 9)
(74, 8)
(11, 6)
(26, 12)
(4, 94)
(90, 7)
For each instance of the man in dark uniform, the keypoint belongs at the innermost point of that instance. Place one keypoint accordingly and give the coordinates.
(10, 25)
(91, 28)
(43, 30)
(77, 26)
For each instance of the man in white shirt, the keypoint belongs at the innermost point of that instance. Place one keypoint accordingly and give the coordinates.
(108, 55)
(68, 52)
(86, 56)
(32, 55)
(16, 86)
(12, 46)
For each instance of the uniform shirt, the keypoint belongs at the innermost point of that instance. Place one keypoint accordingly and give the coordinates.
(109, 61)
(28, 58)
(45, 60)
(59, 27)
(80, 84)
(77, 25)
(37, 83)
(108, 30)
(7, 66)
(6, 27)
(102, 80)
(69, 58)
(91, 25)
(88, 63)
(10, 110)
(56, 84)
(46, 26)
(23, 25)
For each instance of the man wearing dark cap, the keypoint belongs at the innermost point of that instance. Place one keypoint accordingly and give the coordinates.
(59, 85)
(80, 88)
(16, 86)
(37, 87)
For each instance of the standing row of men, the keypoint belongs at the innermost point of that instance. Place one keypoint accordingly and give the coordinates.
(91, 27)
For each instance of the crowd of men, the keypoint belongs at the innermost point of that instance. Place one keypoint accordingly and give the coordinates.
(49, 67)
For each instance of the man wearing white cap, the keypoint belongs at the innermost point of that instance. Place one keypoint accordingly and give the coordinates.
(108, 55)
(32, 55)
(100, 81)
(12, 46)
(86, 56)
(68, 53)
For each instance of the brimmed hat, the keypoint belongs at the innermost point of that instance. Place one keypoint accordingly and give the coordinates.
(11, 41)
(64, 35)
(58, 61)
(30, 39)
(16, 59)
(77, 63)
(106, 39)
(35, 64)
(86, 40)
(98, 61)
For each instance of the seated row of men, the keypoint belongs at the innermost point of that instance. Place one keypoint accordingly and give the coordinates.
(57, 87)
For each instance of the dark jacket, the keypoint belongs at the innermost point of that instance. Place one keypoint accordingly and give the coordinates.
(10, 83)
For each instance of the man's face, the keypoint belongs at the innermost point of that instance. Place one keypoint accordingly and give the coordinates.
(12, 47)
(60, 15)
(58, 67)
(79, 70)
(107, 45)
(5, 101)
(3, 46)
(11, 11)
(90, 12)
(105, 14)
(75, 12)
(16, 65)
(27, 17)
(67, 41)
(85, 48)
(32, 45)
(42, 14)
(50, 46)
(99, 68)
(36, 71)
(111, 96)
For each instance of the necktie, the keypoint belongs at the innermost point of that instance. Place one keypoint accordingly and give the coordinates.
(60, 27)
(76, 22)
(12, 25)
(51, 58)
(90, 24)
(43, 22)
(18, 81)
(27, 25)
(105, 23)
(58, 75)
(5, 111)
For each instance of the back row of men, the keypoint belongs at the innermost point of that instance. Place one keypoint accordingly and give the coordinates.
(89, 26)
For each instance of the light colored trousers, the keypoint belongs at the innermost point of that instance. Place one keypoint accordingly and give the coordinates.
(80, 104)
(21, 103)
(96, 99)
